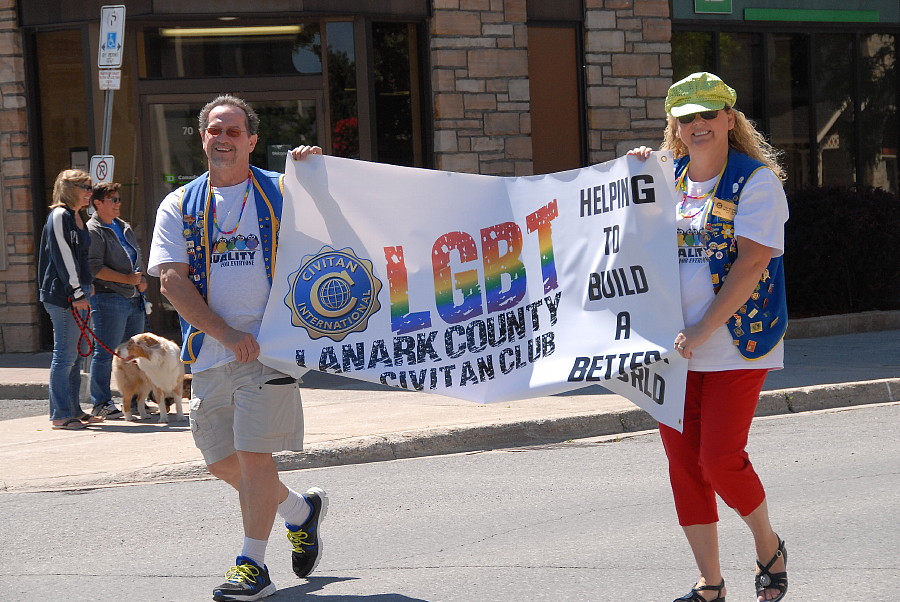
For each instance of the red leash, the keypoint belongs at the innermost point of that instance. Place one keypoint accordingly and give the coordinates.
(87, 334)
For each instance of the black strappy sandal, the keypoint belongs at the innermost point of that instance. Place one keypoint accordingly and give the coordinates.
(765, 579)
(695, 596)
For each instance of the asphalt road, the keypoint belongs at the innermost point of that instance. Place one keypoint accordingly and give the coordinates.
(584, 520)
(22, 408)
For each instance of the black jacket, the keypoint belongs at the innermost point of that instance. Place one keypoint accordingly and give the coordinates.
(63, 259)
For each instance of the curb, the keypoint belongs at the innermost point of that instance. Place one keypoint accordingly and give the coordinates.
(826, 326)
(42, 390)
(24, 391)
(451, 440)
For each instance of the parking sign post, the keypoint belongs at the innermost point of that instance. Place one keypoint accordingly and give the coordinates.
(109, 56)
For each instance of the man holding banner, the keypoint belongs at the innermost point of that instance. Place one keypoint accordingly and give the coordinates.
(214, 248)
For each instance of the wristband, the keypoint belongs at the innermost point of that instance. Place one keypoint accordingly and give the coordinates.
(78, 294)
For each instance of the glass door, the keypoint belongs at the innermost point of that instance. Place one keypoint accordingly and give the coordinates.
(176, 154)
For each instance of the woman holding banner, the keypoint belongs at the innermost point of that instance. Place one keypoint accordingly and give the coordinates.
(731, 209)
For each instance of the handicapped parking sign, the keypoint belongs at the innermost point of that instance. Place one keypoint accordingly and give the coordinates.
(112, 36)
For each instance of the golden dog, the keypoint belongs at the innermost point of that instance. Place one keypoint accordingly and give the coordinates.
(149, 363)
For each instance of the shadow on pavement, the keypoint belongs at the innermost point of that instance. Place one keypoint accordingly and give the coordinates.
(314, 584)
(139, 427)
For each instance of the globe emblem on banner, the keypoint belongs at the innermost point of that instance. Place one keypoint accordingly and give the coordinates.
(333, 293)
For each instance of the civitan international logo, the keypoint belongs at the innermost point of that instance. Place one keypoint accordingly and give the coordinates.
(333, 293)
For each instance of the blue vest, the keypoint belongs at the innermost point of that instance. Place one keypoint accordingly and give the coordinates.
(761, 322)
(196, 197)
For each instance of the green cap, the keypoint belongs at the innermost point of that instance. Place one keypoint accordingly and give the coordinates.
(699, 92)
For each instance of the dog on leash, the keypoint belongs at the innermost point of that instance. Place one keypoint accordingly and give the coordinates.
(147, 363)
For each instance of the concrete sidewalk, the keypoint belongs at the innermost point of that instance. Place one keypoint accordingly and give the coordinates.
(349, 421)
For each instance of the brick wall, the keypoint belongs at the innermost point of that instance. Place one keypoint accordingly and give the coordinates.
(480, 87)
(629, 69)
(18, 290)
(479, 51)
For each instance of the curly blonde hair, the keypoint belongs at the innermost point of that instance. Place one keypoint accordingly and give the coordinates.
(744, 138)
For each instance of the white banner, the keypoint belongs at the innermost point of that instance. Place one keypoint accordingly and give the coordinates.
(481, 287)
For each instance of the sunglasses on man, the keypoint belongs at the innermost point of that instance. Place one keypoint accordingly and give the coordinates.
(232, 132)
(706, 115)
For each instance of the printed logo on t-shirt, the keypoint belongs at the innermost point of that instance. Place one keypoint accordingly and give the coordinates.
(238, 250)
(690, 247)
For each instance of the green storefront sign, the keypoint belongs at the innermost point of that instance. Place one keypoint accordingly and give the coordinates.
(720, 7)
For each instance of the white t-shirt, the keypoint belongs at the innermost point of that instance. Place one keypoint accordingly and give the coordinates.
(761, 214)
(238, 288)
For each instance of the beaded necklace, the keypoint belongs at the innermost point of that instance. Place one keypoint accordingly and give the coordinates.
(681, 186)
(240, 215)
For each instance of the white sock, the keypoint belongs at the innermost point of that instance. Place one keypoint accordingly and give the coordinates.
(255, 550)
(294, 509)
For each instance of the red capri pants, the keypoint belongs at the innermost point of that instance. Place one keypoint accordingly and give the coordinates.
(709, 457)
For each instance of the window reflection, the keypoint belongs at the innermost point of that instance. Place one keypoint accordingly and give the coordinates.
(835, 140)
(741, 65)
(232, 51)
(878, 114)
(282, 126)
(326, 48)
(789, 104)
(342, 87)
(396, 106)
(692, 51)
(839, 128)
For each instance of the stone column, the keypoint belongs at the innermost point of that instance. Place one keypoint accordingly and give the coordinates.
(18, 275)
(479, 56)
(628, 54)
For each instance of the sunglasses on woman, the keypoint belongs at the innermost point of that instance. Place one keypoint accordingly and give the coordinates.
(707, 115)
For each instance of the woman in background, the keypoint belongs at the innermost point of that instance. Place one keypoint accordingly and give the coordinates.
(117, 307)
(65, 286)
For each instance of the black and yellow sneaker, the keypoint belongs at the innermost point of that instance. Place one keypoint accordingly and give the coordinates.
(305, 538)
(245, 581)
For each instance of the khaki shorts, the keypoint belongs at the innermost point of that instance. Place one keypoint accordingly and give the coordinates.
(237, 407)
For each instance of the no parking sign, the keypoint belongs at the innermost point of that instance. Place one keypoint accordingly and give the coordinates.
(102, 167)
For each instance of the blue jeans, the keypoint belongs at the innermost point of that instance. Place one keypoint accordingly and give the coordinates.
(115, 319)
(65, 367)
